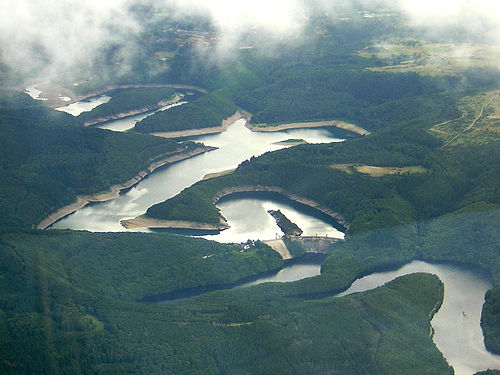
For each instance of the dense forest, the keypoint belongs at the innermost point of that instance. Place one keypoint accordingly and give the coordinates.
(48, 159)
(459, 178)
(128, 100)
(205, 112)
(98, 328)
(76, 302)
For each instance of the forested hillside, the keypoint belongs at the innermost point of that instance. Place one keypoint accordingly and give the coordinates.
(97, 329)
(128, 100)
(422, 186)
(205, 112)
(47, 159)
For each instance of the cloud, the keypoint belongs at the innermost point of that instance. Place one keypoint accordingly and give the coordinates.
(233, 16)
(54, 38)
(476, 17)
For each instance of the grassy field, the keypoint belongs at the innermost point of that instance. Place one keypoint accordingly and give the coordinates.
(412, 55)
(374, 171)
(479, 123)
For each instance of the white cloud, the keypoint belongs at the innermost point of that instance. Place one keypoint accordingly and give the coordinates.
(64, 36)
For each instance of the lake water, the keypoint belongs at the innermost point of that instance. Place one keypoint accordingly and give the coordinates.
(457, 330)
(457, 324)
(34, 93)
(169, 181)
(121, 125)
(85, 105)
(249, 219)
(458, 333)
(128, 123)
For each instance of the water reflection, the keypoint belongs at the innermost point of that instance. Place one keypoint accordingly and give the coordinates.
(247, 214)
(458, 333)
(128, 123)
(85, 105)
(235, 145)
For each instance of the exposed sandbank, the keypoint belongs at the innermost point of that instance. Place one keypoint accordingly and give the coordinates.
(298, 125)
(175, 99)
(261, 128)
(209, 176)
(202, 131)
(274, 189)
(114, 191)
(146, 222)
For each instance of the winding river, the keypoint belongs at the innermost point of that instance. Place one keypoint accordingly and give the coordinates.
(457, 324)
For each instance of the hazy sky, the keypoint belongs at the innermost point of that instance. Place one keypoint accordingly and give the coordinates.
(72, 32)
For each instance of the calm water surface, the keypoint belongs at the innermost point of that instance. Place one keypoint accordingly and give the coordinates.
(169, 181)
(85, 105)
(249, 219)
(458, 333)
(457, 324)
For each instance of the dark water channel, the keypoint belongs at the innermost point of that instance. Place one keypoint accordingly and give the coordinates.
(457, 324)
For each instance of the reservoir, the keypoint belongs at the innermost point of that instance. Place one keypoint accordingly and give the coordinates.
(457, 330)
(458, 334)
(235, 145)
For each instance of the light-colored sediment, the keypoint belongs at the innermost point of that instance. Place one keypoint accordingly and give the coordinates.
(175, 99)
(146, 222)
(202, 131)
(274, 189)
(375, 171)
(297, 125)
(290, 144)
(209, 176)
(54, 101)
(114, 191)
(280, 247)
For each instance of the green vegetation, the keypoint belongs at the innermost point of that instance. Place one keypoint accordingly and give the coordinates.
(457, 178)
(129, 100)
(287, 226)
(388, 213)
(96, 328)
(46, 163)
(69, 300)
(413, 55)
(490, 320)
(292, 140)
(205, 112)
(367, 99)
(129, 266)
(478, 123)
(378, 171)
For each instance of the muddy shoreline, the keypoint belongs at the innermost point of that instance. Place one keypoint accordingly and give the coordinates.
(300, 125)
(202, 131)
(114, 191)
(101, 120)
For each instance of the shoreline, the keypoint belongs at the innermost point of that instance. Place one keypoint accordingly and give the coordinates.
(256, 128)
(202, 131)
(317, 124)
(274, 189)
(209, 176)
(145, 222)
(151, 223)
(114, 191)
(52, 94)
(101, 120)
